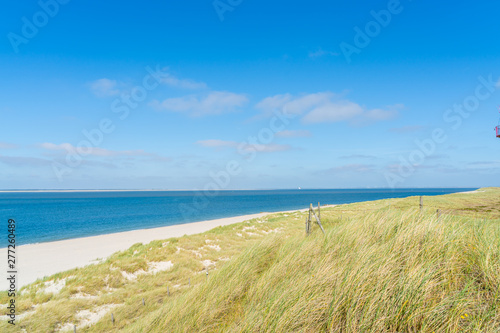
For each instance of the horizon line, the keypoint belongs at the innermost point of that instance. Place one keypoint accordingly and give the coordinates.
(238, 189)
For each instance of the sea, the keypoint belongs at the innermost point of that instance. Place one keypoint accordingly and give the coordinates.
(51, 216)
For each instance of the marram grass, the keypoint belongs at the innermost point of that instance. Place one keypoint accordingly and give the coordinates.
(383, 266)
(387, 272)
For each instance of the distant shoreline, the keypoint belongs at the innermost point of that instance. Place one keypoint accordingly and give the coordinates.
(195, 190)
(38, 260)
(63, 191)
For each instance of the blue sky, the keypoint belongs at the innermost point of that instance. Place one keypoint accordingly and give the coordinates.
(378, 94)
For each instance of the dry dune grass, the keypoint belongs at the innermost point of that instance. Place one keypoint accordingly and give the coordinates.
(384, 266)
(388, 272)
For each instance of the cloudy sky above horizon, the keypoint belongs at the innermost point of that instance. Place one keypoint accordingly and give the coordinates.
(318, 94)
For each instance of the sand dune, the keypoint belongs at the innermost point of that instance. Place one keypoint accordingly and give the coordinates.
(44, 259)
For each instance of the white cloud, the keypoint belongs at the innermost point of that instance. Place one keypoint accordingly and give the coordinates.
(374, 115)
(358, 156)
(326, 107)
(271, 103)
(333, 112)
(53, 146)
(406, 129)
(173, 81)
(297, 105)
(383, 114)
(97, 151)
(320, 53)
(357, 168)
(217, 143)
(293, 134)
(266, 148)
(244, 146)
(6, 145)
(492, 165)
(304, 103)
(23, 161)
(216, 102)
(104, 87)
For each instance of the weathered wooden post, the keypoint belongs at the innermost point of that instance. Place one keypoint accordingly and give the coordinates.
(168, 291)
(310, 209)
(308, 226)
(74, 328)
(143, 303)
(112, 318)
(317, 219)
(421, 202)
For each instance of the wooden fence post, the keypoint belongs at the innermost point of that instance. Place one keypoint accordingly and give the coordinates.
(310, 209)
(308, 226)
(112, 318)
(318, 221)
(143, 303)
(74, 328)
(421, 202)
(307, 233)
(317, 217)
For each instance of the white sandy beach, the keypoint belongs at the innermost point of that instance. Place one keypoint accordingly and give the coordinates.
(44, 259)
(470, 192)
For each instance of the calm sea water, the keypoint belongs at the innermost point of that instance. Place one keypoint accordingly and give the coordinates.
(50, 216)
